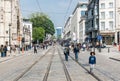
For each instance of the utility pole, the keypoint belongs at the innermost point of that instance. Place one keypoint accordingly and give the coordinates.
(10, 25)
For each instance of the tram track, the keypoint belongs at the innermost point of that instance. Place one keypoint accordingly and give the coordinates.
(100, 75)
(64, 67)
(31, 66)
(49, 66)
(93, 75)
(100, 71)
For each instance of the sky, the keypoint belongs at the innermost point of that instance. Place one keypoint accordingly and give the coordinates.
(57, 10)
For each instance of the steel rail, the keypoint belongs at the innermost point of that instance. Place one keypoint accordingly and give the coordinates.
(23, 73)
(49, 66)
(96, 77)
(65, 68)
(93, 75)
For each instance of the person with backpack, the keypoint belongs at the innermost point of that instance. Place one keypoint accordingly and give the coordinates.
(76, 51)
(35, 49)
(5, 51)
(92, 61)
(66, 53)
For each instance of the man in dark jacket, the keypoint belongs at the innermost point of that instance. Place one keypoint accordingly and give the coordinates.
(76, 51)
(35, 49)
(66, 53)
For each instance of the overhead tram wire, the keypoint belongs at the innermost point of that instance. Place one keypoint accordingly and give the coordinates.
(38, 5)
(46, 12)
(68, 9)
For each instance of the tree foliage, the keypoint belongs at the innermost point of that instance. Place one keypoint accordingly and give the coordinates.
(38, 33)
(42, 20)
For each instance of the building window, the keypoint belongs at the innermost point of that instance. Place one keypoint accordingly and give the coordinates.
(82, 13)
(110, 14)
(83, 6)
(92, 23)
(92, 12)
(28, 26)
(102, 5)
(111, 5)
(102, 25)
(102, 15)
(111, 25)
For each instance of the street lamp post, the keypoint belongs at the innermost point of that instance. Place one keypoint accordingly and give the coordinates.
(9, 34)
(10, 37)
(100, 37)
(30, 38)
(24, 32)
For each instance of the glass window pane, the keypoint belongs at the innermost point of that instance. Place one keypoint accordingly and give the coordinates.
(110, 14)
(111, 25)
(103, 5)
(102, 25)
(82, 13)
(111, 5)
(102, 15)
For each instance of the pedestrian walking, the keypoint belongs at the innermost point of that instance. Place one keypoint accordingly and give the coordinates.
(2, 51)
(43, 46)
(5, 51)
(66, 53)
(76, 51)
(35, 49)
(84, 46)
(92, 61)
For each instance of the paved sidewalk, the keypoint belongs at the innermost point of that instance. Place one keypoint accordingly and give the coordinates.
(110, 51)
(12, 55)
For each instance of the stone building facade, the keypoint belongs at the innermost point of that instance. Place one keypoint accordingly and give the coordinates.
(10, 22)
(117, 19)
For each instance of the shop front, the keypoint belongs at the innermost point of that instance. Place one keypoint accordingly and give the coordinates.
(108, 38)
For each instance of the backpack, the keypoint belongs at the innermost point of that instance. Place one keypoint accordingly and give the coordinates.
(65, 51)
(1, 49)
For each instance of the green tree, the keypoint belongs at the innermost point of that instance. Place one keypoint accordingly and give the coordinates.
(42, 20)
(38, 34)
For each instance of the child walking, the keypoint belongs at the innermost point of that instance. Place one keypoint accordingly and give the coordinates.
(92, 61)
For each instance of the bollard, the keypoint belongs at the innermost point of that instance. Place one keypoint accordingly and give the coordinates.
(108, 49)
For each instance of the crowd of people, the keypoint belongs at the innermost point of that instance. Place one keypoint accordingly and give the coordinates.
(7, 50)
(42, 46)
